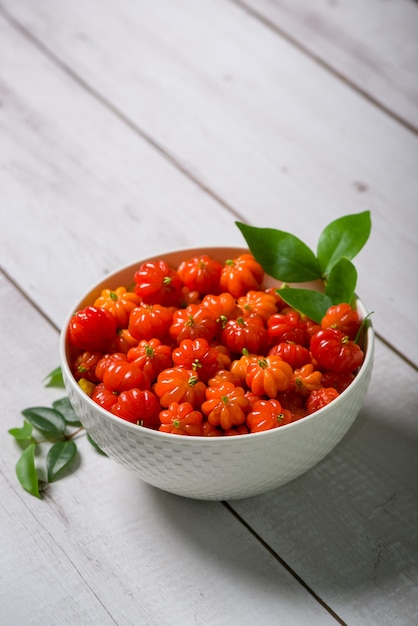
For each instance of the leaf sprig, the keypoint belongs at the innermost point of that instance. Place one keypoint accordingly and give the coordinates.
(288, 259)
(54, 427)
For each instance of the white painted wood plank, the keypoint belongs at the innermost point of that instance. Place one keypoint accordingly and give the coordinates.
(82, 194)
(372, 44)
(350, 526)
(39, 583)
(267, 129)
(29, 261)
(104, 547)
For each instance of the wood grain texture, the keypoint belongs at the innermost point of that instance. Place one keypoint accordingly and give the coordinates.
(372, 45)
(350, 525)
(94, 192)
(127, 129)
(229, 102)
(104, 546)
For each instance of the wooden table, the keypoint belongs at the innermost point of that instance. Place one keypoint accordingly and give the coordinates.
(132, 128)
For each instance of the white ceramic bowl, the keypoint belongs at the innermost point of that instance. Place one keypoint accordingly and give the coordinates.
(216, 468)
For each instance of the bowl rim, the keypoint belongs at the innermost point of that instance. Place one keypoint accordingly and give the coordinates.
(194, 439)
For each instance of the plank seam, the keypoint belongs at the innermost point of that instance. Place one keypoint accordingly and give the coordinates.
(394, 349)
(170, 158)
(29, 300)
(320, 61)
(283, 563)
(56, 544)
(225, 504)
(23, 293)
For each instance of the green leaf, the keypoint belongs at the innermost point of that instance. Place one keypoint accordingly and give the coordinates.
(341, 284)
(344, 237)
(55, 379)
(313, 304)
(26, 471)
(22, 434)
(45, 419)
(282, 255)
(95, 445)
(64, 406)
(365, 324)
(58, 458)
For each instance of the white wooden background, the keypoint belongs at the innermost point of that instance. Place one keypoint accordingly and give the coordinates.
(132, 128)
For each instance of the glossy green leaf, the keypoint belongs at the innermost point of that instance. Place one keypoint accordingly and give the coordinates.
(26, 471)
(24, 433)
(45, 419)
(58, 458)
(55, 379)
(95, 445)
(313, 304)
(64, 406)
(344, 237)
(282, 255)
(341, 284)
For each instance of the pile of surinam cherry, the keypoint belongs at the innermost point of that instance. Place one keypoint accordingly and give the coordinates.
(203, 349)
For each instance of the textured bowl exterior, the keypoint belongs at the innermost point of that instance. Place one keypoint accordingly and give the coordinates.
(218, 468)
